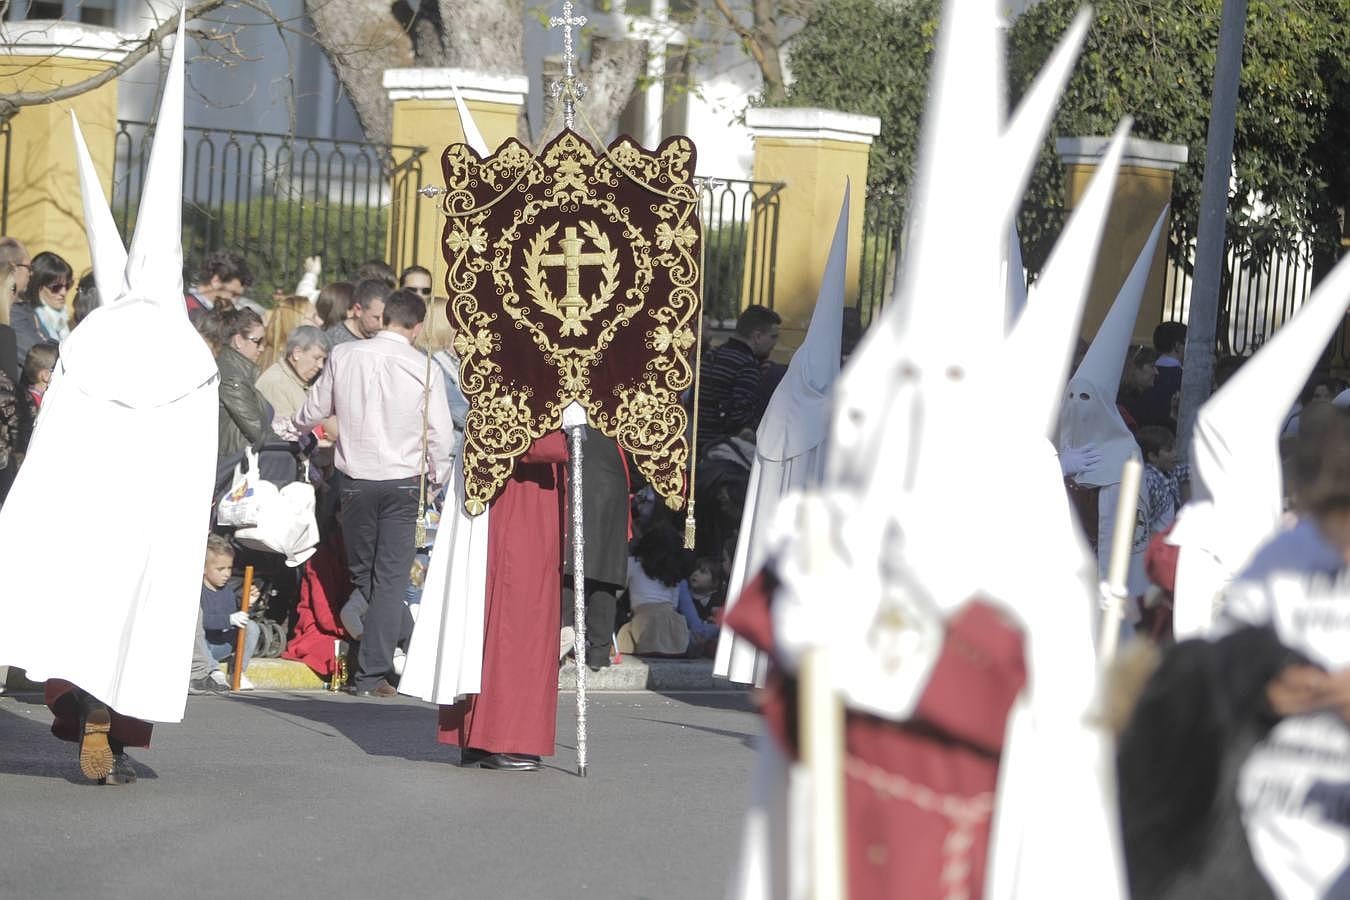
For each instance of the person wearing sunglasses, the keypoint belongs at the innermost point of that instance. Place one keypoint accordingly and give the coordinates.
(42, 314)
(245, 416)
(418, 280)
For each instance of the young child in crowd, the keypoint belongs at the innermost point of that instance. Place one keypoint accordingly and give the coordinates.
(1161, 495)
(221, 615)
(1164, 480)
(38, 367)
(696, 599)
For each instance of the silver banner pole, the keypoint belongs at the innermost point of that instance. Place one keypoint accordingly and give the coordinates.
(575, 434)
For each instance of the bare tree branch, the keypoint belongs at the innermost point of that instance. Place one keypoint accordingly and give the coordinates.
(10, 104)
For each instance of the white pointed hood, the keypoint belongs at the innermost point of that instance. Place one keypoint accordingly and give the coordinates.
(1089, 414)
(920, 347)
(1235, 452)
(798, 415)
(472, 136)
(108, 254)
(144, 348)
(154, 269)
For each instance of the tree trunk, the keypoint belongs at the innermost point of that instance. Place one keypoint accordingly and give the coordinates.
(362, 39)
(610, 80)
(488, 37)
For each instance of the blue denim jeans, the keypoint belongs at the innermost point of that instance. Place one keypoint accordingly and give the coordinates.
(221, 652)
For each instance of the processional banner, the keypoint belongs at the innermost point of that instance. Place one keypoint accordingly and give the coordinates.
(573, 276)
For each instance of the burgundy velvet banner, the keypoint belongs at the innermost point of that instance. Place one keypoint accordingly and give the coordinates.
(573, 276)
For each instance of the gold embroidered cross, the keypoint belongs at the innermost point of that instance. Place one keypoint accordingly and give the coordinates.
(572, 259)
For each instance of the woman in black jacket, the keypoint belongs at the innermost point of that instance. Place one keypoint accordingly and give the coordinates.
(245, 417)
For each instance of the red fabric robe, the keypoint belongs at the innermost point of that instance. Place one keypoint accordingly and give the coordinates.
(325, 586)
(516, 711)
(919, 795)
(63, 700)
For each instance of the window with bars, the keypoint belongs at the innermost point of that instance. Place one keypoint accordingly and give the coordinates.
(89, 12)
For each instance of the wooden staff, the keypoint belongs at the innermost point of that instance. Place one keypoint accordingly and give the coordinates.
(242, 637)
(822, 739)
(1115, 590)
(822, 745)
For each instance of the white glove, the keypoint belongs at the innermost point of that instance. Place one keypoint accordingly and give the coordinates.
(313, 265)
(1077, 459)
(574, 415)
(239, 619)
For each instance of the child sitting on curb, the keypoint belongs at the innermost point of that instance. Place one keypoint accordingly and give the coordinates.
(221, 615)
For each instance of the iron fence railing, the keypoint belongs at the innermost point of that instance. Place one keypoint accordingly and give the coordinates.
(278, 198)
(883, 223)
(740, 246)
(1257, 295)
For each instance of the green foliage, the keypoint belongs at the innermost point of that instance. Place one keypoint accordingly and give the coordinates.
(1150, 59)
(1155, 61)
(870, 57)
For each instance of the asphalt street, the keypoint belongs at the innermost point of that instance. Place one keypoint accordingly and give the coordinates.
(314, 795)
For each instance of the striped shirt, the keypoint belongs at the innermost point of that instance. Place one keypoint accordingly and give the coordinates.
(729, 383)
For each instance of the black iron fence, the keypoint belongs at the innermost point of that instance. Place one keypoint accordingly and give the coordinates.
(883, 223)
(740, 246)
(279, 198)
(1259, 295)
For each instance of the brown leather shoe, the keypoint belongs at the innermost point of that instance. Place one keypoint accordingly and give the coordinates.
(96, 757)
(382, 689)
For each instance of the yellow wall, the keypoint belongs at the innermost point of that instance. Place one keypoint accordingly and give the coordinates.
(45, 211)
(814, 171)
(1141, 193)
(434, 124)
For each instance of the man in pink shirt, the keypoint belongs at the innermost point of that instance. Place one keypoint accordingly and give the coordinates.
(377, 388)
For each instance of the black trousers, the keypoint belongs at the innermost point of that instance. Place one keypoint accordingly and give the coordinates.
(601, 603)
(378, 520)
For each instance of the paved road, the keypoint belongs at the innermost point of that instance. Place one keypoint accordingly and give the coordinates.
(304, 795)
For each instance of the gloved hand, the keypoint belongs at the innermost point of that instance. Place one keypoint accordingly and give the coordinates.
(313, 265)
(238, 619)
(1078, 459)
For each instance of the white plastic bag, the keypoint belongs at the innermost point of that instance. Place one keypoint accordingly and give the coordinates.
(285, 524)
(248, 494)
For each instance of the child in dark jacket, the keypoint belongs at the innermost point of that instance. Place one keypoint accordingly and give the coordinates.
(221, 615)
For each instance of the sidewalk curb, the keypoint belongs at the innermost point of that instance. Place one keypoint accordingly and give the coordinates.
(632, 675)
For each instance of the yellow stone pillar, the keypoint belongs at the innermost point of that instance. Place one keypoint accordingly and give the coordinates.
(1143, 187)
(812, 151)
(44, 207)
(425, 116)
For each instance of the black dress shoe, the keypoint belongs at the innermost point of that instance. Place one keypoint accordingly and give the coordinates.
(506, 763)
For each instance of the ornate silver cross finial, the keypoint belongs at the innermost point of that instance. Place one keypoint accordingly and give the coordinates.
(570, 89)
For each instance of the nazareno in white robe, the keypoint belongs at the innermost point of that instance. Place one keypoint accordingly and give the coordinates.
(103, 536)
(445, 654)
(789, 448)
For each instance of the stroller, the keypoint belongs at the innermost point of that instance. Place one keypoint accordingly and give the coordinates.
(281, 464)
